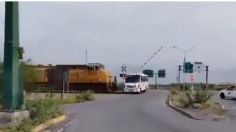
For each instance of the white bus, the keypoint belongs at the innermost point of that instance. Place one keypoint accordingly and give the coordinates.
(136, 83)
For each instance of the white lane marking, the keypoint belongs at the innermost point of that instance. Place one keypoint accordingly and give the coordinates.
(62, 129)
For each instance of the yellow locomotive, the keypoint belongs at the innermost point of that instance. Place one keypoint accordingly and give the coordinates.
(92, 76)
(37, 74)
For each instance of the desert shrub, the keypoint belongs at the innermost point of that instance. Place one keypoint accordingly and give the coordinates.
(120, 86)
(81, 97)
(174, 91)
(197, 97)
(25, 126)
(186, 100)
(205, 105)
(43, 109)
(40, 111)
(187, 86)
(85, 96)
(211, 86)
(217, 108)
(201, 96)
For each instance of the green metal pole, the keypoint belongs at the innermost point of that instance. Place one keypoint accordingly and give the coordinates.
(12, 95)
(155, 80)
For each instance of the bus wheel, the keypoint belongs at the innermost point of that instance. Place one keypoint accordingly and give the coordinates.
(140, 90)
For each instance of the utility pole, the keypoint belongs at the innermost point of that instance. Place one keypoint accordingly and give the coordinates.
(207, 76)
(86, 56)
(155, 75)
(179, 75)
(184, 70)
(185, 52)
(12, 92)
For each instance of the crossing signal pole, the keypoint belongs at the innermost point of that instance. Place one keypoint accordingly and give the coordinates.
(123, 72)
(12, 92)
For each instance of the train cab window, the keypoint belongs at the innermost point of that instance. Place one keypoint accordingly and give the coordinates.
(90, 69)
(97, 68)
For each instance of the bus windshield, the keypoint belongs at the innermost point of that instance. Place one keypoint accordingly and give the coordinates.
(132, 78)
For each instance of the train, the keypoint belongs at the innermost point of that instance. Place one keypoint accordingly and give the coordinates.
(69, 78)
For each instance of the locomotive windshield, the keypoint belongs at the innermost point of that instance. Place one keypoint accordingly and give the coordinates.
(132, 78)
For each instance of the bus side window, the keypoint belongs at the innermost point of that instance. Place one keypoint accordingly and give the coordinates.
(142, 79)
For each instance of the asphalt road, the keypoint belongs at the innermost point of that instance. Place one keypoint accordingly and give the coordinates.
(146, 112)
(229, 104)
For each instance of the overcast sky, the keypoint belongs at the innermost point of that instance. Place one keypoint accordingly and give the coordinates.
(129, 33)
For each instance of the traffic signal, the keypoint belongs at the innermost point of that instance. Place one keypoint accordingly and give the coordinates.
(161, 73)
(188, 67)
(148, 72)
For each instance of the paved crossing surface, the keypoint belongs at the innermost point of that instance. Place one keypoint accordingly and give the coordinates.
(137, 113)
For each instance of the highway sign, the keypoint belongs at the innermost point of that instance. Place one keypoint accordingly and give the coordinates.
(188, 67)
(148, 72)
(198, 66)
(161, 73)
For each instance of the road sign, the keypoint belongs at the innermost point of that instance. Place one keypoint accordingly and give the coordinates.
(188, 67)
(198, 66)
(161, 73)
(191, 77)
(148, 72)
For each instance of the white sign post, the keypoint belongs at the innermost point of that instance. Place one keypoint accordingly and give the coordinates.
(192, 78)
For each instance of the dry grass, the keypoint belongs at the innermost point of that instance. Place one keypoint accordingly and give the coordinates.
(179, 99)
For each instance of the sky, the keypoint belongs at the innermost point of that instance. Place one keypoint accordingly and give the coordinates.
(116, 33)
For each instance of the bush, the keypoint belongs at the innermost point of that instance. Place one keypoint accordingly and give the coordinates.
(205, 105)
(197, 97)
(186, 86)
(120, 86)
(85, 96)
(26, 126)
(174, 91)
(81, 97)
(201, 96)
(40, 111)
(211, 86)
(186, 101)
(43, 109)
